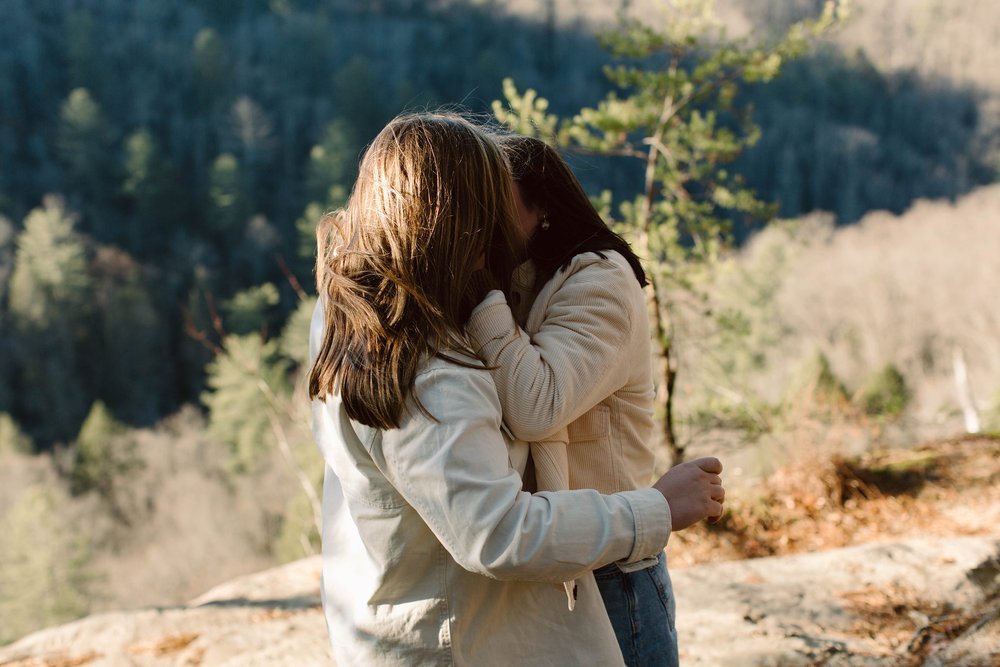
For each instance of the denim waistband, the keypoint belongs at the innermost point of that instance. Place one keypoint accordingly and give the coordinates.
(630, 567)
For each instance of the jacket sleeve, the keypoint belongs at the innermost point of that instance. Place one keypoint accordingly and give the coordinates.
(575, 359)
(455, 472)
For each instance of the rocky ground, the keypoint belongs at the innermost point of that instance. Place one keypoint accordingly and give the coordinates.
(892, 559)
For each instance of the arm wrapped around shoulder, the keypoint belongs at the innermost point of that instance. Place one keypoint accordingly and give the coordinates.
(456, 474)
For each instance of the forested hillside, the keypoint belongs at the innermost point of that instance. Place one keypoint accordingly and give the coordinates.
(163, 164)
(181, 141)
(188, 147)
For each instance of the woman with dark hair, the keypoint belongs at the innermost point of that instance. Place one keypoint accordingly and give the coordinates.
(572, 365)
(433, 551)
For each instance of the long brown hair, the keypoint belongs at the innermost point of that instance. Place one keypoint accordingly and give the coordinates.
(394, 267)
(548, 184)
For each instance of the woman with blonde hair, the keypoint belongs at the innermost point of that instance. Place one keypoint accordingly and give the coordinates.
(434, 553)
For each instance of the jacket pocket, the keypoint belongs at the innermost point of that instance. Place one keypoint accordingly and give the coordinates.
(595, 424)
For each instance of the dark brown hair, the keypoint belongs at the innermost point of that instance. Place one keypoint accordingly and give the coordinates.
(394, 267)
(548, 185)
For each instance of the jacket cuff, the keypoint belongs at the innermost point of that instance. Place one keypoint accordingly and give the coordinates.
(652, 523)
(490, 320)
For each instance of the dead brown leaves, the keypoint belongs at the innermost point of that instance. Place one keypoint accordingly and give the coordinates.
(943, 488)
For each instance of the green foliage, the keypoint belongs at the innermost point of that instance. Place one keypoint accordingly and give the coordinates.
(12, 439)
(140, 160)
(249, 310)
(7, 335)
(305, 226)
(210, 62)
(8, 236)
(750, 418)
(83, 125)
(44, 579)
(85, 145)
(814, 383)
(49, 301)
(297, 536)
(226, 194)
(884, 393)
(991, 418)
(246, 383)
(50, 267)
(150, 185)
(105, 455)
(294, 341)
(675, 110)
(331, 169)
(332, 162)
(171, 142)
(131, 339)
(526, 113)
(748, 324)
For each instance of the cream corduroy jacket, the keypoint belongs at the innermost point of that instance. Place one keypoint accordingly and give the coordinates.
(581, 362)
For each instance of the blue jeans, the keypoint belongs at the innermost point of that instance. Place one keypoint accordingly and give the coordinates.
(641, 607)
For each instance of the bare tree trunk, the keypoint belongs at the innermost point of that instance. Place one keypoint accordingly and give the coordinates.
(669, 437)
(666, 373)
(666, 363)
(964, 389)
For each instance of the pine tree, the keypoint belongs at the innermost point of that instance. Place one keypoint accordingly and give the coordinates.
(294, 341)
(105, 455)
(12, 438)
(84, 142)
(675, 112)
(49, 303)
(250, 310)
(246, 383)
(7, 338)
(227, 196)
(131, 341)
(45, 576)
(150, 187)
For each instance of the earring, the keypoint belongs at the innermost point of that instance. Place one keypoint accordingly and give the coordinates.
(545, 223)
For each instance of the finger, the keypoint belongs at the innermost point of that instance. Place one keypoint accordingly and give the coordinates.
(709, 464)
(714, 509)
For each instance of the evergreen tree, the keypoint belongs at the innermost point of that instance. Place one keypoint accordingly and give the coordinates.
(251, 310)
(84, 144)
(210, 63)
(150, 187)
(255, 256)
(252, 140)
(247, 381)
(331, 169)
(227, 196)
(294, 341)
(12, 438)
(675, 112)
(332, 165)
(105, 456)
(884, 393)
(45, 576)
(49, 295)
(130, 344)
(7, 246)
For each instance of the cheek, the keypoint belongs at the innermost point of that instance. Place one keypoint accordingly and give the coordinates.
(528, 220)
(527, 217)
